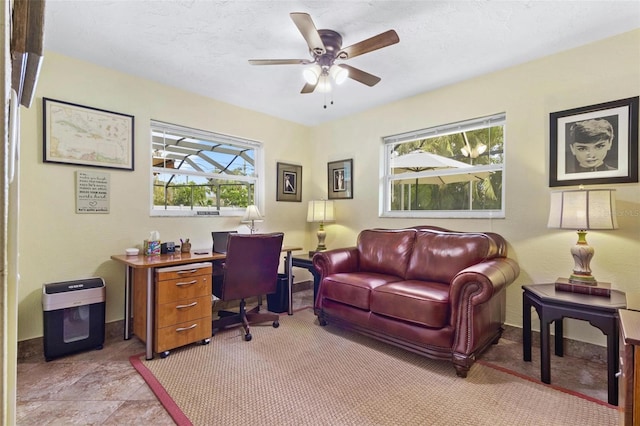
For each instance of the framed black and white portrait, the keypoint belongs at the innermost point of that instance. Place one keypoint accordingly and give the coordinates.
(289, 182)
(340, 179)
(596, 144)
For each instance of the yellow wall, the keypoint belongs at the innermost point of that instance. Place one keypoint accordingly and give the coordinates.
(599, 72)
(57, 244)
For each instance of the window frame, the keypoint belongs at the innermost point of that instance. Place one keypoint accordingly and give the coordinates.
(386, 177)
(257, 179)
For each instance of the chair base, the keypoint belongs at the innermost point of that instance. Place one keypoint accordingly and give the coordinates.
(244, 317)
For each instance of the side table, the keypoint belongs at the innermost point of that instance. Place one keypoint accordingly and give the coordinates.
(305, 261)
(553, 306)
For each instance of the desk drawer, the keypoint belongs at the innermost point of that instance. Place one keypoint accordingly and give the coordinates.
(182, 334)
(183, 310)
(183, 271)
(183, 288)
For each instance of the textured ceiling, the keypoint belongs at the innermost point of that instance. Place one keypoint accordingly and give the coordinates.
(203, 45)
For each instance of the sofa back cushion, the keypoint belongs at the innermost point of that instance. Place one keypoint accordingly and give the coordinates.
(385, 251)
(439, 256)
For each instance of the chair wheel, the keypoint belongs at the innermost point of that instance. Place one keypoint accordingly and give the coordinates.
(247, 337)
(164, 354)
(206, 341)
(276, 324)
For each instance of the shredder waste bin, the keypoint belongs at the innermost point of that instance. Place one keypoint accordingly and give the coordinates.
(73, 316)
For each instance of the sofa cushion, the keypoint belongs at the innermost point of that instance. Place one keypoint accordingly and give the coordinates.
(439, 256)
(385, 251)
(421, 302)
(354, 288)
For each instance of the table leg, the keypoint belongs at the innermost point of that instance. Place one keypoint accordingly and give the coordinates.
(289, 267)
(128, 282)
(545, 353)
(559, 342)
(149, 324)
(526, 328)
(613, 347)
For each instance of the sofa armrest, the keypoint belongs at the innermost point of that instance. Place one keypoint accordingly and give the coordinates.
(492, 275)
(478, 302)
(336, 261)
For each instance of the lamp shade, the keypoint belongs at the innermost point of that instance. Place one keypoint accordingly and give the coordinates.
(583, 209)
(339, 74)
(251, 214)
(312, 74)
(320, 211)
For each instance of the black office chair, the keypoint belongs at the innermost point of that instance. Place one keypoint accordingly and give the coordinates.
(250, 269)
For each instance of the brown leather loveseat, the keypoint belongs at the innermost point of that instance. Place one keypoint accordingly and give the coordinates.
(435, 292)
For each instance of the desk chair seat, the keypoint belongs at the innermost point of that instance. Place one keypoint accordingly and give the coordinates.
(250, 269)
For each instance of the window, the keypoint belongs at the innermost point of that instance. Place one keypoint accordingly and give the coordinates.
(200, 173)
(454, 170)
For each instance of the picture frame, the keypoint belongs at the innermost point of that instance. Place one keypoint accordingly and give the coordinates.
(596, 144)
(289, 181)
(81, 135)
(340, 179)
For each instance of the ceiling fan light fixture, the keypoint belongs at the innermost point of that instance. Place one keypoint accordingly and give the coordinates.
(312, 74)
(324, 85)
(338, 74)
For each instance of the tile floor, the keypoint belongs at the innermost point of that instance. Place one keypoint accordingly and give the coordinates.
(102, 388)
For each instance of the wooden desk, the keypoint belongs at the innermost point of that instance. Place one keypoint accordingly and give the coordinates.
(553, 306)
(150, 263)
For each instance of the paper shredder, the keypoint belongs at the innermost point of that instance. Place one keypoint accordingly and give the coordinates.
(73, 317)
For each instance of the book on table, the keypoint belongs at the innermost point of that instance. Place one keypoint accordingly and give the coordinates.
(598, 289)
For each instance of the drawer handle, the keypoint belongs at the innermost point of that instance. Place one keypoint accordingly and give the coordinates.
(190, 271)
(618, 374)
(190, 305)
(186, 328)
(187, 283)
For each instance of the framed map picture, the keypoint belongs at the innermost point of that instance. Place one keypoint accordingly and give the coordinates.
(80, 135)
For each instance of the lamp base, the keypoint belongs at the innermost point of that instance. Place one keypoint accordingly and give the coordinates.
(596, 289)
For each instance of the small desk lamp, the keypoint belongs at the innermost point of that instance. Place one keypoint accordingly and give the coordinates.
(582, 210)
(252, 215)
(320, 211)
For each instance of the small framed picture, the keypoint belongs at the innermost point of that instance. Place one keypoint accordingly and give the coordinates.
(596, 144)
(340, 179)
(289, 182)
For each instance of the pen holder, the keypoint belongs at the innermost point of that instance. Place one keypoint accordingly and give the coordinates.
(185, 247)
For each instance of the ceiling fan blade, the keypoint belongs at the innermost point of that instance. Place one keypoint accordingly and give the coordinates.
(361, 76)
(279, 61)
(308, 30)
(308, 88)
(369, 45)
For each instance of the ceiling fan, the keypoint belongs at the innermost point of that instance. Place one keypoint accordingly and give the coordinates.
(325, 47)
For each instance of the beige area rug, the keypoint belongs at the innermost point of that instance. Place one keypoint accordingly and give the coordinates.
(304, 374)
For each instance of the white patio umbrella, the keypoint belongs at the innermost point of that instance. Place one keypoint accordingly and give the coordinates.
(421, 167)
(424, 168)
(419, 160)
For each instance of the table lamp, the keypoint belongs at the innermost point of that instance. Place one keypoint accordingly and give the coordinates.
(582, 210)
(251, 216)
(320, 211)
